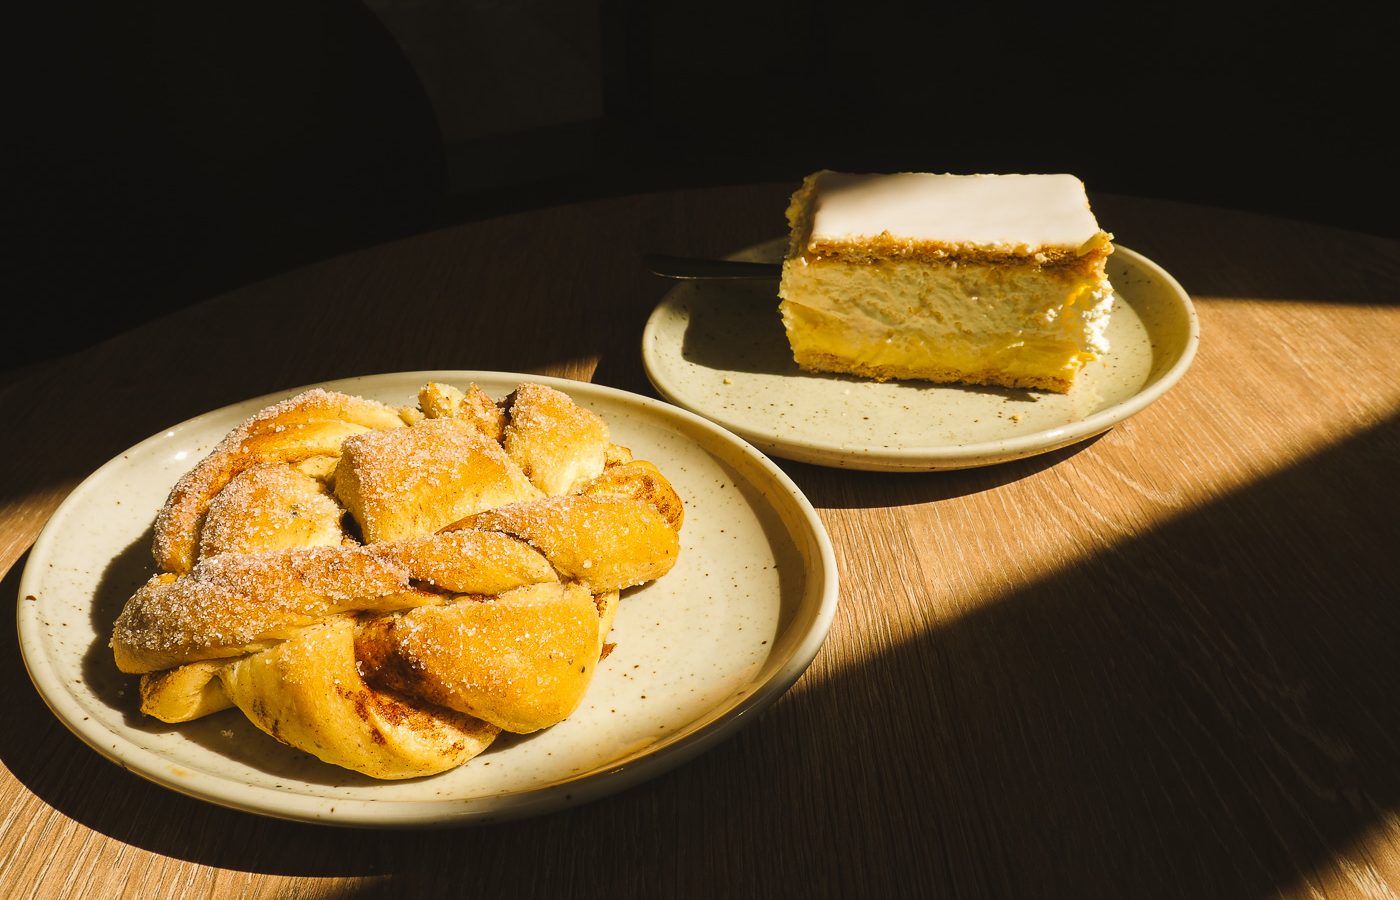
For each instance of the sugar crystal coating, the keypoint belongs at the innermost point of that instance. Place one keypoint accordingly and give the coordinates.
(294, 556)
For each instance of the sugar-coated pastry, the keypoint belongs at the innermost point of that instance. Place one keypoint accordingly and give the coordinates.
(388, 589)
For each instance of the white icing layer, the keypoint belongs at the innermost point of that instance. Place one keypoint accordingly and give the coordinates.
(1011, 212)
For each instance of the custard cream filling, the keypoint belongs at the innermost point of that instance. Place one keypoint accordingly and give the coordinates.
(970, 318)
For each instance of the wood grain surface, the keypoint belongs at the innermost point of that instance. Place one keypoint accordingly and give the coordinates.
(1160, 663)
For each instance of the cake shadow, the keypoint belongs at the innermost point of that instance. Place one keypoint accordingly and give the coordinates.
(1019, 395)
(830, 488)
(735, 327)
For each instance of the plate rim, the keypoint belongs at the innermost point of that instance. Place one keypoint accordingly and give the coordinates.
(612, 777)
(945, 456)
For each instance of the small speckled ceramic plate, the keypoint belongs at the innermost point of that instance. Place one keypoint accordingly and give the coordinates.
(718, 348)
(697, 654)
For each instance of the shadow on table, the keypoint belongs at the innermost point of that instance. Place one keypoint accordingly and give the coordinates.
(1188, 713)
(863, 490)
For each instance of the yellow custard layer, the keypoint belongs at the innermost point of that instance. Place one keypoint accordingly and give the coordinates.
(1005, 325)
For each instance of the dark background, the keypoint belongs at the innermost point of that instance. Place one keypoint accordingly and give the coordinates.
(160, 153)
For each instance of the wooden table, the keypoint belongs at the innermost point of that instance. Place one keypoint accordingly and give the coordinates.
(1165, 662)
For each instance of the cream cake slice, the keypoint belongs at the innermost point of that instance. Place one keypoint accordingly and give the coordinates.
(979, 279)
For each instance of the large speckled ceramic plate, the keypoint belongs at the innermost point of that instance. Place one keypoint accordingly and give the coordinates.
(718, 348)
(698, 652)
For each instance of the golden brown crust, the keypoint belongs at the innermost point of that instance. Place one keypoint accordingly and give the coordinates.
(607, 543)
(313, 423)
(607, 604)
(271, 506)
(413, 481)
(443, 401)
(236, 603)
(469, 562)
(521, 661)
(616, 454)
(799, 216)
(184, 693)
(307, 692)
(264, 615)
(643, 482)
(557, 443)
(887, 248)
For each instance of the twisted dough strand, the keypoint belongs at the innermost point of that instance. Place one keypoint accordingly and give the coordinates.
(404, 656)
(313, 423)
